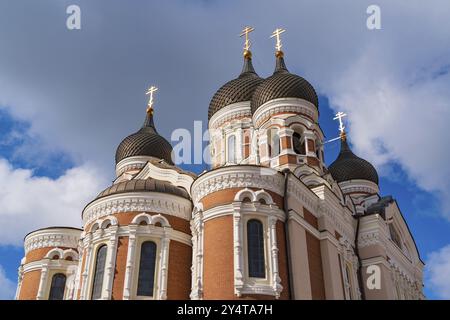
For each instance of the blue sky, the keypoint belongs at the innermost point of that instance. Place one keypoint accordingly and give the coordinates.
(67, 98)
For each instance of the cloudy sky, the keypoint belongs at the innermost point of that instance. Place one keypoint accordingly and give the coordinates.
(67, 97)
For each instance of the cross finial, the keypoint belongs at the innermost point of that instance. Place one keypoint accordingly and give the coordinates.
(277, 34)
(245, 33)
(339, 117)
(150, 92)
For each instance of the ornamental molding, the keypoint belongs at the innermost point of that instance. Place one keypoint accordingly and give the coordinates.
(359, 186)
(60, 237)
(370, 238)
(154, 202)
(256, 209)
(132, 163)
(241, 176)
(284, 105)
(231, 112)
(170, 175)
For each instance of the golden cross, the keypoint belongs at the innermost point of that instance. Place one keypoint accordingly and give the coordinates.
(277, 34)
(245, 33)
(150, 92)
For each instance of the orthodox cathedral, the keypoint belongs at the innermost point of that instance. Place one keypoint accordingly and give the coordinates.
(269, 220)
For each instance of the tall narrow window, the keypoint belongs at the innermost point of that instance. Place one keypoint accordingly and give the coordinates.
(57, 287)
(299, 146)
(147, 269)
(274, 142)
(231, 147)
(99, 272)
(394, 236)
(255, 249)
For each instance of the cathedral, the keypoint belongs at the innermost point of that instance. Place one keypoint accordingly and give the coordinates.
(269, 220)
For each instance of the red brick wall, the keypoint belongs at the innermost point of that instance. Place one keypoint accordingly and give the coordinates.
(119, 272)
(315, 267)
(218, 261)
(179, 273)
(30, 285)
(226, 196)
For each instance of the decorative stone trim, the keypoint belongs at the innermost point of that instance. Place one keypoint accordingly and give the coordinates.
(52, 237)
(243, 284)
(138, 201)
(132, 163)
(163, 241)
(359, 186)
(174, 177)
(284, 105)
(231, 112)
(237, 177)
(197, 227)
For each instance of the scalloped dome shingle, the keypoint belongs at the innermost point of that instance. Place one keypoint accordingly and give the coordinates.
(237, 90)
(348, 166)
(283, 84)
(145, 142)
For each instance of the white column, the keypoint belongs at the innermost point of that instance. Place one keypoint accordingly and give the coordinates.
(237, 244)
(224, 145)
(43, 281)
(110, 263)
(130, 262)
(275, 274)
(77, 285)
(239, 146)
(164, 263)
(194, 271)
(84, 277)
(19, 281)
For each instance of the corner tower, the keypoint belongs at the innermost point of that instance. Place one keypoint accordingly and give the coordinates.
(285, 111)
(230, 118)
(356, 177)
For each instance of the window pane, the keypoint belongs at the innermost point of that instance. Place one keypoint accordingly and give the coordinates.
(232, 149)
(147, 269)
(255, 243)
(299, 147)
(57, 287)
(274, 143)
(99, 273)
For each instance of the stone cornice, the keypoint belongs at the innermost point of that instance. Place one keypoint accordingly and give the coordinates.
(52, 237)
(229, 113)
(242, 176)
(171, 175)
(154, 202)
(359, 186)
(284, 105)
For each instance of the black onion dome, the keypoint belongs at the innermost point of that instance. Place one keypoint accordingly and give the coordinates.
(236, 90)
(145, 142)
(144, 185)
(348, 166)
(283, 84)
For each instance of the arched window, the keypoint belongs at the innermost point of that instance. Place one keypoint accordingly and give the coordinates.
(57, 287)
(147, 269)
(299, 146)
(273, 140)
(255, 249)
(99, 272)
(231, 149)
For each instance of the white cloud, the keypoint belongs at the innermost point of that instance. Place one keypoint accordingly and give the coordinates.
(438, 272)
(84, 91)
(28, 202)
(7, 287)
